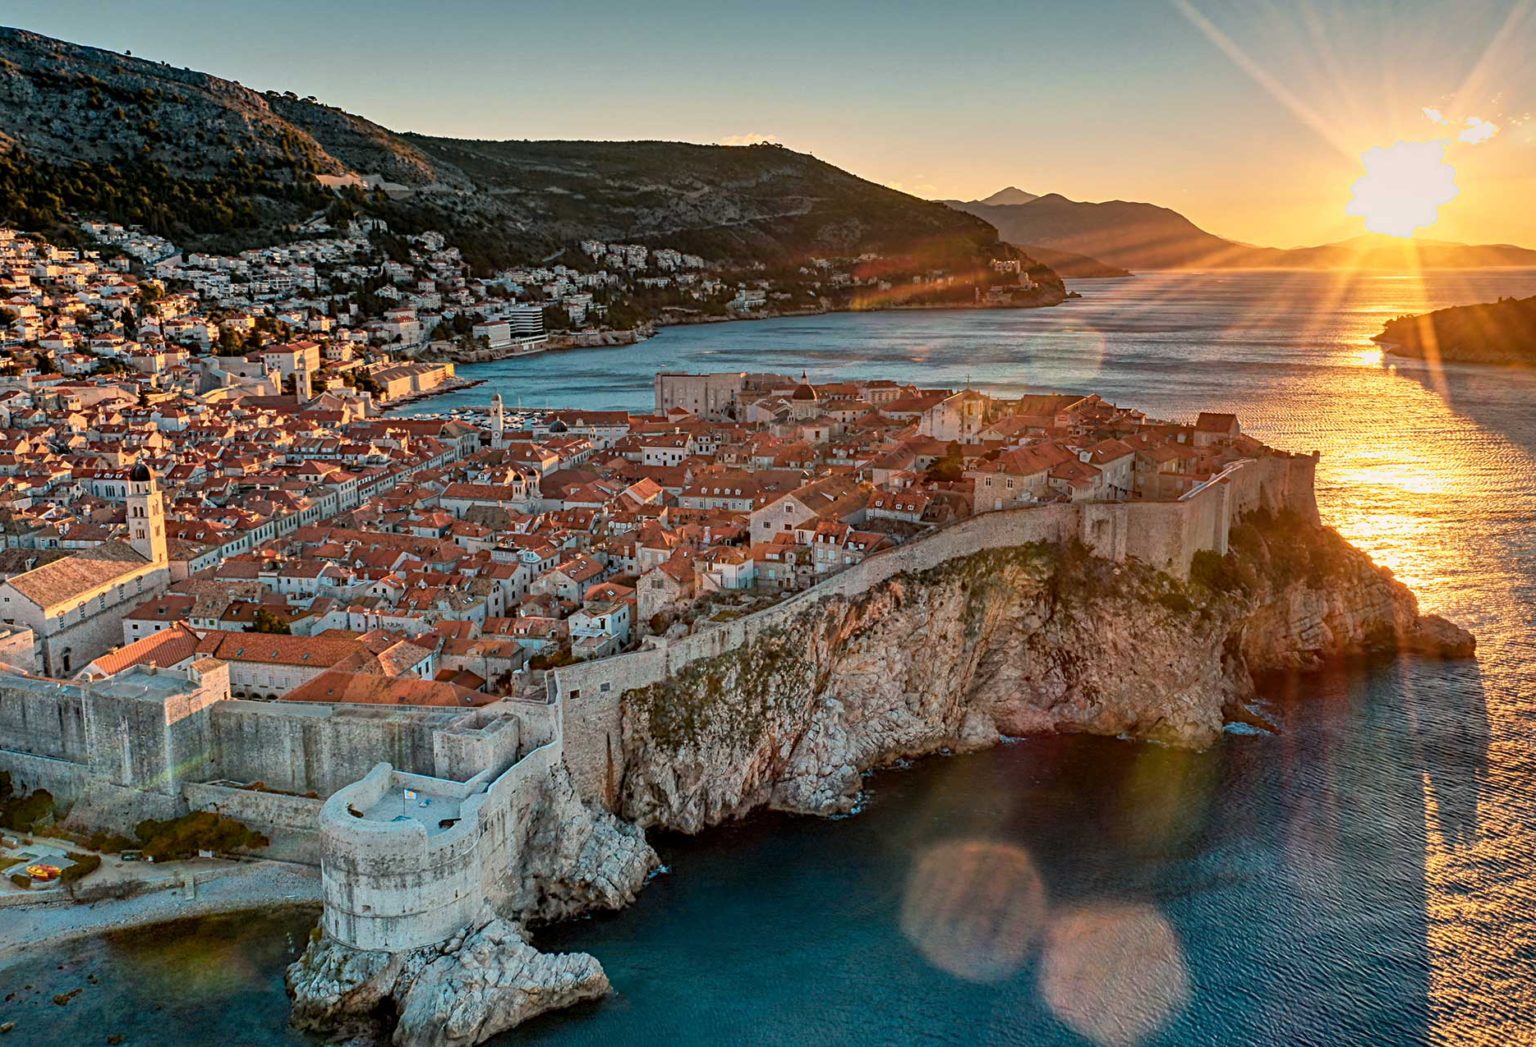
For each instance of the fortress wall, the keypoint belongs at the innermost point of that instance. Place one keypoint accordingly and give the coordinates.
(65, 779)
(43, 719)
(464, 750)
(393, 885)
(590, 713)
(382, 884)
(590, 693)
(1276, 482)
(302, 749)
(1165, 535)
(268, 812)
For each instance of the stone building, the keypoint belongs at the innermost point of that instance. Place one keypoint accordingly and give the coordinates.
(75, 604)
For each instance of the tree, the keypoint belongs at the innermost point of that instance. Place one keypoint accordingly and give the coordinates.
(264, 621)
(951, 467)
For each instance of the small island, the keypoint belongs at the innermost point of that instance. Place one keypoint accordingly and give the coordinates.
(1501, 333)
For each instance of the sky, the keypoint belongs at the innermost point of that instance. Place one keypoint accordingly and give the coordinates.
(1254, 119)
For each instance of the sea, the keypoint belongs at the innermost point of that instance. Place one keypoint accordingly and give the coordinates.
(1364, 874)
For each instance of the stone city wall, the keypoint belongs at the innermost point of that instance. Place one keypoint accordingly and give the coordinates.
(65, 779)
(145, 731)
(396, 885)
(300, 747)
(1165, 535)
(268, 812)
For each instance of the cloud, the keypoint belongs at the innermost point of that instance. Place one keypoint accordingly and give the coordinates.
(919, 186)
(752, 138)
(1474, 129)
(1478, 130)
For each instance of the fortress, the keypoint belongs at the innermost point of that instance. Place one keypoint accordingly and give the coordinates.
(419, 817)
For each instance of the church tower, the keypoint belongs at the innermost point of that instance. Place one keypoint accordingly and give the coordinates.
(302, 387)
(498, 421)
(146, 515)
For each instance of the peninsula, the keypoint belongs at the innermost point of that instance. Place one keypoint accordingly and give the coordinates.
(1502, 333)
(481, 658)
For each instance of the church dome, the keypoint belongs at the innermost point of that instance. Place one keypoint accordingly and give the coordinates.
(141, 474)
(804, 391)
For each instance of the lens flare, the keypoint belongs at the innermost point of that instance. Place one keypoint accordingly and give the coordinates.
(1404, 187)
(1115, 972)
(973, 907)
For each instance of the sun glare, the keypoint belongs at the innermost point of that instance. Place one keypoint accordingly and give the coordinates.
(1404, 187)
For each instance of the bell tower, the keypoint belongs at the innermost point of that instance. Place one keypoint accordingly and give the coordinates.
(498, 421)
(146, 515)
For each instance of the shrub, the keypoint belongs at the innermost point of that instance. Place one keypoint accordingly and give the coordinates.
(199, 831)
(24, 813)
(1219, 574)
(85, 864)
(22, 880)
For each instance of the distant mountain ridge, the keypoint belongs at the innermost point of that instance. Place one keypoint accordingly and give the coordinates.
(1011, 195)
(1140, 236)
(211, 163)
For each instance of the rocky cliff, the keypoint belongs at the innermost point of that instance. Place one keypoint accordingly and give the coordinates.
(1007, 642)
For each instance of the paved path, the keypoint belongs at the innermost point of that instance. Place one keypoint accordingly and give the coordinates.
(220, 887)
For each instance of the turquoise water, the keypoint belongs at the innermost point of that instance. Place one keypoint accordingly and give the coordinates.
(1365, 876)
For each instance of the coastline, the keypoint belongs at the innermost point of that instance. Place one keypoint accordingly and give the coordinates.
(455, 386)
(627, 338)
(232, 887)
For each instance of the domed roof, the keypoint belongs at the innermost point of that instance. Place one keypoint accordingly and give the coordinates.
(141, 474)
(804, 391)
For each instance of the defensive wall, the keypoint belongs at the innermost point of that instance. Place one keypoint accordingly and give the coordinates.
(409, 860)
(268, 811)
(143, 732)
(1165, 535)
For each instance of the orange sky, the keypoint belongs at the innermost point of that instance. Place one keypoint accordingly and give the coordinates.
(1249, 116)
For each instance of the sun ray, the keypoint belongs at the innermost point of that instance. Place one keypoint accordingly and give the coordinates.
(1265, 79)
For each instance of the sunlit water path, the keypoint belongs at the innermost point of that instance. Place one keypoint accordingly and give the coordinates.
(1365, 876)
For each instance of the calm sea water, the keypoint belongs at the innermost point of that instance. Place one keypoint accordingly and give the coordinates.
(1365, 876)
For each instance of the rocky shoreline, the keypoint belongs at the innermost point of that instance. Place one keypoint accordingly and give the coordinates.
(1025, 640)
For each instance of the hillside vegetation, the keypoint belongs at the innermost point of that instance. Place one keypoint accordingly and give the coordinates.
(210, 163)
(1502, 332)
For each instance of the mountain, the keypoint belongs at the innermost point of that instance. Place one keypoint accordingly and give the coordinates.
(1075, 266)
(1393, 253)
(1117, 233)
(1502, 332)
(1064, 262)
(1140, 236)
(213, 164)
(1011, 195)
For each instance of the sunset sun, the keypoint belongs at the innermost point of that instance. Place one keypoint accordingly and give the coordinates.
(1404, 187)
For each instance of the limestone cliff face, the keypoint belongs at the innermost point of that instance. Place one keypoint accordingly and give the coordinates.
(1007, 642)
(463, 991)
(575, 858)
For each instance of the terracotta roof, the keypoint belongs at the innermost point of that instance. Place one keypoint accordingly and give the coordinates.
(367, 689)
(163, 649)
(277, 649)
(78, 574)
